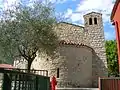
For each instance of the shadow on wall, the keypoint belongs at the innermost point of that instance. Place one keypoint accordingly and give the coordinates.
(99, 69)
(71, 70)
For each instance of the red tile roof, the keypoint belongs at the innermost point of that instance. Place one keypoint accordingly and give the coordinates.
(63, 42)
(6, 66)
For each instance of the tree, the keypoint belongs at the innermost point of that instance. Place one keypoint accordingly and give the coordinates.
(26, 30)
(112, 58)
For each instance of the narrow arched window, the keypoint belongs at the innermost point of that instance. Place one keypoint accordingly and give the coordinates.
(90, 21)
(57, 72)
(95, 20)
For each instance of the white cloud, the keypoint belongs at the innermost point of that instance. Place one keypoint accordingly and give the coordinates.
(8, 3)
(85, 6)
(69, 12)
(75, 17)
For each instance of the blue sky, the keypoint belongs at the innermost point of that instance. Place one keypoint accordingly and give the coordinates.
(75, 9)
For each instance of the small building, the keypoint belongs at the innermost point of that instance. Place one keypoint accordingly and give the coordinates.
(80, 58)
(115, 18)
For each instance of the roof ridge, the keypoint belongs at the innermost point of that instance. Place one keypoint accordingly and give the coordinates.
(72, 24)
(63, 42)
(92, 12)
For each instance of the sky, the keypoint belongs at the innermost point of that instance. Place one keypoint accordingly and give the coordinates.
(75, 9)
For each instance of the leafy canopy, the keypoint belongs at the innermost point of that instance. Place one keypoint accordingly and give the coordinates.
(26, 30)
(112, 58)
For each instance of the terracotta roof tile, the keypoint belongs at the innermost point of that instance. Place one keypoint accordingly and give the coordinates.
(63, 42)
(6, 66)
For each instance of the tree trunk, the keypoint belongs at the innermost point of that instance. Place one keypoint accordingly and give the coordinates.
(29, 65)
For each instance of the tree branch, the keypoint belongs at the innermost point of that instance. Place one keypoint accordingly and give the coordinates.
(23, 54)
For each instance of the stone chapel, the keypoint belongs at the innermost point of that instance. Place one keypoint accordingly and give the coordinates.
(81, 57)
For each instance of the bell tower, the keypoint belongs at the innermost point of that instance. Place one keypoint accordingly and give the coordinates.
(95, 37)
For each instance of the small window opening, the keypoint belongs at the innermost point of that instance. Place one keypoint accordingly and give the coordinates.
(57, 72)
(95, 20)
(90, 21)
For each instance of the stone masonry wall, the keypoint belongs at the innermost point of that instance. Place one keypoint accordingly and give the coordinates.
(70, 33)
(20, 63)
(74, 63)
(95, 36)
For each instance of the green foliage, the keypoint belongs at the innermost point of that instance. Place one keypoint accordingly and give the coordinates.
(26, 30)
(112, 58)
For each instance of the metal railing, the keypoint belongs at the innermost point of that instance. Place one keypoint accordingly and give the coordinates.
(38, 72)
(17, 80)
